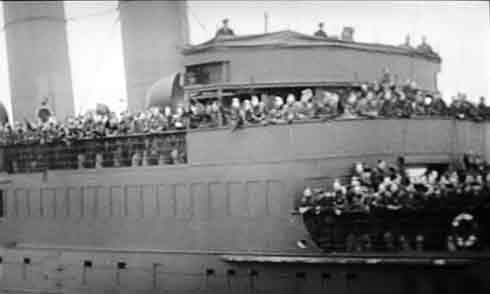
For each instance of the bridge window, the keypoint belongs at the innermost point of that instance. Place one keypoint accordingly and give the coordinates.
(207, 73)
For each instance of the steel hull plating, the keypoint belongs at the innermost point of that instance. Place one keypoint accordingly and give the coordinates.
(165, 228)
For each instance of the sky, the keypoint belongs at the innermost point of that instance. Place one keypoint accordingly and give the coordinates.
(458, 30)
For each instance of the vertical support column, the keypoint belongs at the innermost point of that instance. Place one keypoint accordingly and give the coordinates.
(38, 61)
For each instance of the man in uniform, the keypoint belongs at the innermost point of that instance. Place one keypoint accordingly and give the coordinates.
(332, 106)
(320, 33)
(424, 47)
(438, 107)
(483, 109)
(419, 107)
(290, 111)
(44, 111)
(407, 44)
(277, 112)
(258, 110)
(388, 101)
(372, 106)
(350, 105)
(215, 114)
(225, 31)
(469, 108)
(237, 118)
(402, 107)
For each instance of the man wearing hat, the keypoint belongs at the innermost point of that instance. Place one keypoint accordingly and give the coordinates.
(320, 33)
(424, 47)
(407, 44)
(44, 111)
(439, 107)
(483, 109)
(225, 30)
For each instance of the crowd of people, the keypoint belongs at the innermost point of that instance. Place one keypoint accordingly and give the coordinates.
(390, 187)
(388, 191)
(382, 98)
(114, 152)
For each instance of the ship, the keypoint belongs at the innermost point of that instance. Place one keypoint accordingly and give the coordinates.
(225, 219)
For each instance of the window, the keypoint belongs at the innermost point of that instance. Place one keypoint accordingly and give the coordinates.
(207, 73)
(418, 170)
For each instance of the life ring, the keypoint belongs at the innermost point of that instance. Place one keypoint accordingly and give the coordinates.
(464, 229)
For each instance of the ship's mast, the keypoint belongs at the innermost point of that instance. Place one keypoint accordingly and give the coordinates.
(266, 22)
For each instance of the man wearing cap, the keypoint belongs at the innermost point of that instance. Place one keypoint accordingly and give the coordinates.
(439, 107)
(320, 33)
(470, 109)
(407, 44)
(277, 112)
(402, 106)
(225, 30)
(456, 109)
(483, 109)
(44, 111)
(424, 47)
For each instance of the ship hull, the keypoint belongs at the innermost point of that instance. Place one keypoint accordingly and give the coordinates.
(233, 197)
(62, 270)
(397, 230)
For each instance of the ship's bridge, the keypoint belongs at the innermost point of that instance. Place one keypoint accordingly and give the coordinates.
(235, 65)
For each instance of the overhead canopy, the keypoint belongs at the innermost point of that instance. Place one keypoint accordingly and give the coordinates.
(167, 91)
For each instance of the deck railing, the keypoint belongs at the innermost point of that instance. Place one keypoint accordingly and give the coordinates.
(121, 151)
(171, 146)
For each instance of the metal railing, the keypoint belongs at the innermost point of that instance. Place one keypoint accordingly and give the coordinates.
(430, 229)
(121, 151)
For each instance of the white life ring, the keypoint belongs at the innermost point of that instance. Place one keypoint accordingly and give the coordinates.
(471, 238)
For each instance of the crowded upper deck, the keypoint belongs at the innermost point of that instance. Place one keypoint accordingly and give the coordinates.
(101, 138)
(156, 136)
